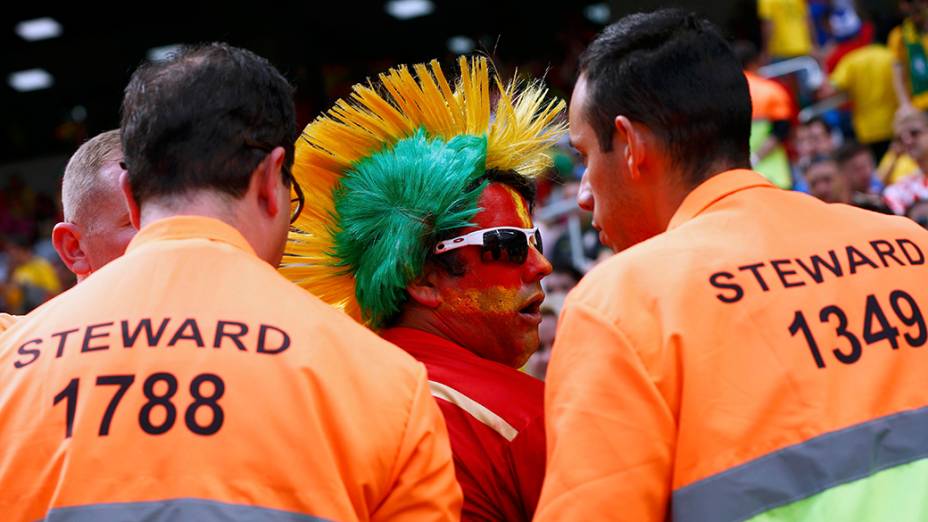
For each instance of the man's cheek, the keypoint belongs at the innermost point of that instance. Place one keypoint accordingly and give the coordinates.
(496, 275)
(491, 301)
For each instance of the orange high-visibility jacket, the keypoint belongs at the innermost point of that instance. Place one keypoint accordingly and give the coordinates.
(764, 359)
(188, 380)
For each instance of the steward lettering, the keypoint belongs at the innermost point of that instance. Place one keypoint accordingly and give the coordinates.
(754, 270)
(63, 337)
(193, 336)
(815, 268)
(266, 339)
(89, 336)
(23, 351)
(738, 291)
(888, 252)
(262, 337)
(221, 332)
(856, 260)
(784, 273)
(818, 263)
(920, 260)
(128, 340)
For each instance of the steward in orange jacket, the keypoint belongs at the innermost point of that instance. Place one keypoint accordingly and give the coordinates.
(750, 353)
(188, 380)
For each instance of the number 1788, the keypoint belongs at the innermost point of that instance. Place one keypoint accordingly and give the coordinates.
(157, 400)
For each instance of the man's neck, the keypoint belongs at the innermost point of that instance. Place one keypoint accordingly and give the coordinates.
(201, 204)
(422, 323)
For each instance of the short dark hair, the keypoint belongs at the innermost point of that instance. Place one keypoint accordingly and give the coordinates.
(850, 150)
(816, 120)
(746, 52)
(673, 72)
(818, 159)
(204, 119)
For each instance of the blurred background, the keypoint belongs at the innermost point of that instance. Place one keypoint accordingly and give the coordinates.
(820, 126)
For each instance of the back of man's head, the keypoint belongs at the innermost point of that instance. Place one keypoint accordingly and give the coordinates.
(674, 73)
(82, 174)
(746, 53)
(203, 120)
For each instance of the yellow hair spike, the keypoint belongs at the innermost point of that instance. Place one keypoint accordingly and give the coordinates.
(520, 129)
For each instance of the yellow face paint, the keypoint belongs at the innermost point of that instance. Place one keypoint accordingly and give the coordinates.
(520, 207)
(492, 300)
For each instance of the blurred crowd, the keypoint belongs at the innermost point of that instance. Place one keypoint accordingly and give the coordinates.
(30, 270)
(839, 96)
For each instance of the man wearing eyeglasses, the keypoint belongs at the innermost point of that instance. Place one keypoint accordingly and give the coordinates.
(424, 232)
(188, 380)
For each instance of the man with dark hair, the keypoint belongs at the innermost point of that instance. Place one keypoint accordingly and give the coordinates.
(813, 138)
(190, 378)
(425, 233)
(714, 368)
(856, 166)
(856, 163)
(826, 181)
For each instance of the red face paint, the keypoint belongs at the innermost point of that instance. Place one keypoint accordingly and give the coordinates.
(492, 309)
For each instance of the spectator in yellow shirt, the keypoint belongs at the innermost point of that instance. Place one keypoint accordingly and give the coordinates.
(785, 28)
(866, 75)
(32, 279)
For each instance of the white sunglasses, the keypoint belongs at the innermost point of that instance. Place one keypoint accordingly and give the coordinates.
(514, 241)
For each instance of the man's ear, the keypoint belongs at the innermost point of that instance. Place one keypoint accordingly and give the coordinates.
(66, 238)
(424, 289)
(135, 216)
(634, 145)
(267, 180)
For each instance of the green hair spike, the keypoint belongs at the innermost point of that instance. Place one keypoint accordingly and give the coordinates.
(391, 208)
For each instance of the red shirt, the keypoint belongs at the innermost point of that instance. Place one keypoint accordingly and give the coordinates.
(495, 418)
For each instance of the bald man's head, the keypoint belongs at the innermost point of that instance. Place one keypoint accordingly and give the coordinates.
(96, 227)
(82, 177)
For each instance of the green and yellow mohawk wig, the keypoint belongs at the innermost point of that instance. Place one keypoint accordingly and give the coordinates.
(390, 169)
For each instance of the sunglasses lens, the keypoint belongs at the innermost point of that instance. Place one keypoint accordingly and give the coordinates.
(492, 246)
(512, 242)
(538, 246)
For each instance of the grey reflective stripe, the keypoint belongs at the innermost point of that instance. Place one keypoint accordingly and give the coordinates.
(802, 470)
(182, 509)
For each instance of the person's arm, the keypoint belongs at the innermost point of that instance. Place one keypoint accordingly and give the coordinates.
(423, 486)
(888, 163)
(902, 91)
(897, 47)
(610, 433)
(778, 134)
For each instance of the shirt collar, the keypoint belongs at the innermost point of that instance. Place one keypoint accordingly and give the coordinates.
(715, 189)
(423, 345)
(190, 227)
